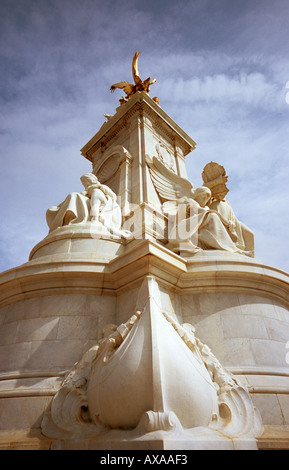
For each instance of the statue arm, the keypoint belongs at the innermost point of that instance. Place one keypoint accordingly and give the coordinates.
(108, 191)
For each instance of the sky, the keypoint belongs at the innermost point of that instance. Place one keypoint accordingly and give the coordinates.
(222, 70)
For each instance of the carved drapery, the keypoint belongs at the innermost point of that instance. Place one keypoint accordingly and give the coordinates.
(113, 168)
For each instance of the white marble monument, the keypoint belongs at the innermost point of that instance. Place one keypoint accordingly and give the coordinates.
(143, 320)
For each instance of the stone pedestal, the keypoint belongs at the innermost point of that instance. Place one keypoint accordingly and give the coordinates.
(54, 308)
(119, 149)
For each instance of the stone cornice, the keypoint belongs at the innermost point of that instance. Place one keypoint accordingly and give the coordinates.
(143, 258)
(140, 104)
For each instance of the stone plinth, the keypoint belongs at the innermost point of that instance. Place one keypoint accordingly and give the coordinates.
(118, 150)
(54, 307)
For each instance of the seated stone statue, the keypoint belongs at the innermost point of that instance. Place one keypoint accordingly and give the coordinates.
(198, 226)
(215, 178)
(96, 204)
(195, 219)
(240, 234)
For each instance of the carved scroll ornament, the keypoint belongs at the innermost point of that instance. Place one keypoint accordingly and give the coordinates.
(114, 393)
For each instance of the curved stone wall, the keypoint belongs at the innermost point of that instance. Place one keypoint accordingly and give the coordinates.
(53, 308)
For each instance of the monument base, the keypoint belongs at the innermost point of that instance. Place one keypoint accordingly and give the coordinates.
(273, 438)
(161, 442)
(54, 307)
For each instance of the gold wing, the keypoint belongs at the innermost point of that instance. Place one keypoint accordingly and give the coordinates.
(169, 186)
(126, 86)
(135, 74)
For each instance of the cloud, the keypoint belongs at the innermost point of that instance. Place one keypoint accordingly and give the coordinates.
(252, 90)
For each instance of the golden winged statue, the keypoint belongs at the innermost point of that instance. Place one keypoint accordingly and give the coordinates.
(139, 85)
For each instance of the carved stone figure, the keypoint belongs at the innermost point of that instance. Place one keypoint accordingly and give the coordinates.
(139, 85)
(96, 204)
(194, 223)
(214, 177)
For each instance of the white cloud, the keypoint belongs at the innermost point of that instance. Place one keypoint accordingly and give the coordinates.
(246, 89)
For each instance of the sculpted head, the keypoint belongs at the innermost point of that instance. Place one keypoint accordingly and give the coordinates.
(219, 192)
(89, 178)
(202, 195)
